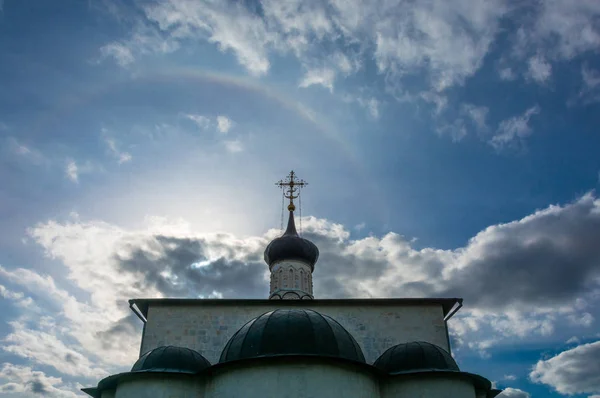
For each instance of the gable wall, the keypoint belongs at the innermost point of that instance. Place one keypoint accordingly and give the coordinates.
(206, 327)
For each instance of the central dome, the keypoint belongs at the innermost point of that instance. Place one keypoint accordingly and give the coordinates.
(292, 332)
(290, 246)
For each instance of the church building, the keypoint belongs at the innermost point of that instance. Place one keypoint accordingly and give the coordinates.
(293, 345)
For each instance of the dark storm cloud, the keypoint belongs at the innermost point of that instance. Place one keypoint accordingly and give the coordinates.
(117, 333)
(342, 264)
(38, 387)
(176, 271)
(547, 259)
(71, 358)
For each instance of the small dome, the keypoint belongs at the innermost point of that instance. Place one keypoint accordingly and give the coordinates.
(292, 332)
(415, 356)
(290, 246)
(171, 359)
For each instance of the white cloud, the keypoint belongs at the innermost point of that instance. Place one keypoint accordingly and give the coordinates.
(48, 349)
(590, 92)
(234, 146)
(514, 393)
(573, 340)
(581, 319)
(122, 157)
(27, 152)
(591, 78)
(447, 41)
(514, 129)
(231, 26)
(506, 73)
(224, 124)
(360, 227)
(440, 101)
(18, 297)
(539, 69)
(509, 377)
(554, 31)
(371, 105)
(201, 121)
(477, 114)
(456, 130)
(27, 382)
(323, 77)
(72, 171)
(346, 64)
(92, 337)
(575, 371)
(566, 29)
(121, 53)
(143, 40)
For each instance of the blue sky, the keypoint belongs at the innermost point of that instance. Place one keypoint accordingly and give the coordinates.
(451, 149)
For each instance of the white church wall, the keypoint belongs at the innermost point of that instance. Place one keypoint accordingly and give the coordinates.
(207, 326)
(297, 379)
(162, 386)
(427, 386)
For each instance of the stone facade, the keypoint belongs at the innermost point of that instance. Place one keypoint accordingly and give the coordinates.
(207, 325)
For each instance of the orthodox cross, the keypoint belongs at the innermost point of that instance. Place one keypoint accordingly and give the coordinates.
(291, 184)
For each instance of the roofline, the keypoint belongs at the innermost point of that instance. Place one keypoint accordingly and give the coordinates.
(449, 305)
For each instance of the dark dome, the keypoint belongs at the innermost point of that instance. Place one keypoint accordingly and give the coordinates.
(290, 246)
(292, 332)
(415, 356)
(171, 359)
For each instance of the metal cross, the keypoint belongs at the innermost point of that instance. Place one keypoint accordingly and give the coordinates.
(292, 184)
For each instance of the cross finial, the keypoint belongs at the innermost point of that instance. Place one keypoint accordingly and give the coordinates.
(291, 184)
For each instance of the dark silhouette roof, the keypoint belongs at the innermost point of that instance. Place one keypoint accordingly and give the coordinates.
(171, 359)
(292, 332)
(290, 246)
(415, 356)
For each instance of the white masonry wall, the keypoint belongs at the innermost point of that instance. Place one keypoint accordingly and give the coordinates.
(207, 326)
